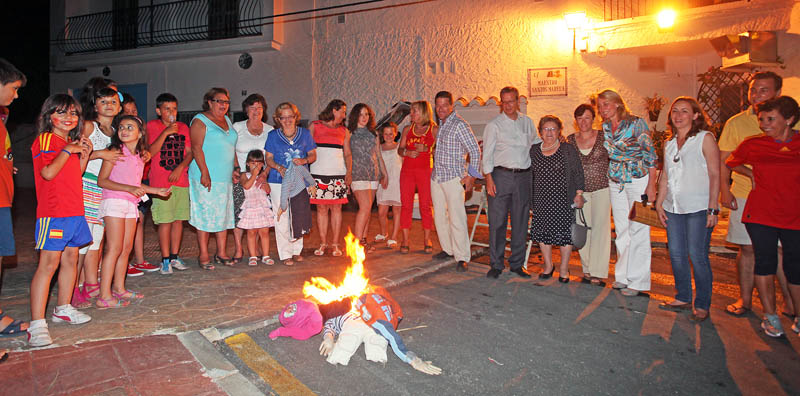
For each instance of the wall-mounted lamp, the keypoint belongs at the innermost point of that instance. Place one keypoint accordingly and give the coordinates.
(666, 19)
(575, 21)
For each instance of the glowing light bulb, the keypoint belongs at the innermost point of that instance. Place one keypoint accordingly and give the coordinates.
(666, 18)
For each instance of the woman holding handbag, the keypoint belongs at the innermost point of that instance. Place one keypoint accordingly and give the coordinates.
(557, 188)
(687, 203)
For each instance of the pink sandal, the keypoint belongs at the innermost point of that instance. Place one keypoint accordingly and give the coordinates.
(91, 290)
(79, 300)
(128, 295)
(105, 304)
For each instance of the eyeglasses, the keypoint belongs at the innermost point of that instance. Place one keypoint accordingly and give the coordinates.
(220, 101)
(550, 129)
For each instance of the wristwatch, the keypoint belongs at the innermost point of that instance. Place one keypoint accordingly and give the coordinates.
(712, 211)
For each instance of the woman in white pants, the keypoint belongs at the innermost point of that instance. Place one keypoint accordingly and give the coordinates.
(631, 175)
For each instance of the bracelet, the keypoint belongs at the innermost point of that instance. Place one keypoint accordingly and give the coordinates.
(712, 211)
(68, 153)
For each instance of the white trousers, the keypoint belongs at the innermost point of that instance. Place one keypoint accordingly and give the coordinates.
(597, 251)
(633, 239)
(450, 218)
(283, 234)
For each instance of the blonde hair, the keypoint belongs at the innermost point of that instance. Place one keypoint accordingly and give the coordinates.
(276, 117)
(426, 112)
(623, 112)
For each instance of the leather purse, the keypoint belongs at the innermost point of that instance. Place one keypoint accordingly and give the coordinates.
(643, 213)
(579, 230)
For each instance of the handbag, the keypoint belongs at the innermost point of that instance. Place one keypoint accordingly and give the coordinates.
(579, 230)
(643, 213)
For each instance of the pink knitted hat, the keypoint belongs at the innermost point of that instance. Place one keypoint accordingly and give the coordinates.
(301, 320)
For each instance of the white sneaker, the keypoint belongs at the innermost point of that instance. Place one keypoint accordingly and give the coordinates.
(70, 315)
(39, 337)
(380, 238)
(178, 264)
(166, 268)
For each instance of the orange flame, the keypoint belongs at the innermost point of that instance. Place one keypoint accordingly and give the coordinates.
(354, 283)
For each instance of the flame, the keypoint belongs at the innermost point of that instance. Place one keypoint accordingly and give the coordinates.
(354, 283)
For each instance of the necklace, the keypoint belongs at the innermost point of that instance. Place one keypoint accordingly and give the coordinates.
(551, 147)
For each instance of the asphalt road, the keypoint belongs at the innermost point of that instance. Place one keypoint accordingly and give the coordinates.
(515, 337)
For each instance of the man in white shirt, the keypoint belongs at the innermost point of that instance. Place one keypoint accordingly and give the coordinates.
(507, 141)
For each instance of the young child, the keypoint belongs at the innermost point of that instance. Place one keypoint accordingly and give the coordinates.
(139, 263)
(103, 105)
(171, 154)
(60, 155)
(389, 196)
(256, 216)
(121, 181)
(297, 188)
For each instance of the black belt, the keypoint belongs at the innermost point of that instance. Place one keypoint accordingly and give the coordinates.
(513, 170)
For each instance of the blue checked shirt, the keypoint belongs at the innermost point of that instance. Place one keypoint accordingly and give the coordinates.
(454, 141)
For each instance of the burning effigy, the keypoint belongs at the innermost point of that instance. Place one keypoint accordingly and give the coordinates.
(353, 312)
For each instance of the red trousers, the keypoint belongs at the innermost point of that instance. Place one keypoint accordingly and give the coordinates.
(419, 180)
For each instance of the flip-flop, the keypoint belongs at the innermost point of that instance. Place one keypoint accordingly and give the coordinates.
(14, 329)
(736, 310)
(3, 356)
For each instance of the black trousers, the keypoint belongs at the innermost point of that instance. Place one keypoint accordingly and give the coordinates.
(765, 249)
(300, 214)
(513, 196)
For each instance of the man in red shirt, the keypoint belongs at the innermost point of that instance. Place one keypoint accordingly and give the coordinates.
(11, 80)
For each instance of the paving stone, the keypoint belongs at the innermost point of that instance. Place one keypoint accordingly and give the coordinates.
(175, 380)
(147, 353)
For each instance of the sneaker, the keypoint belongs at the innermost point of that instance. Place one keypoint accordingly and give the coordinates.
(39, 336)
(134, 272)
(772, 326)
(178, 264)
(70, 315)
(380, 238)
(166, 267)
(145, 266)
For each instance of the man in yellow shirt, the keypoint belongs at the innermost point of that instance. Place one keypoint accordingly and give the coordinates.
(764, 86)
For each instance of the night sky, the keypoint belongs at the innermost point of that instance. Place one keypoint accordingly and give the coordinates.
(24, 41)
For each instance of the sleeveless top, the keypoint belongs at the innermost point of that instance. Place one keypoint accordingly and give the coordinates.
(127, 170)
(594, 161)
(219, 147)
(330, 150)
(365, 155)
(423, 160)
(100, 141)
(687, 173)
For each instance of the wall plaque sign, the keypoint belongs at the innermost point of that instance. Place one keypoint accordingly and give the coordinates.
(550, 81)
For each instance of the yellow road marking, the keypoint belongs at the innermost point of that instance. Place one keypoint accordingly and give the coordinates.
(277, 376)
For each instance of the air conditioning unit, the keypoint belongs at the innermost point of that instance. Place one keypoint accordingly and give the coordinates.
(747, 51)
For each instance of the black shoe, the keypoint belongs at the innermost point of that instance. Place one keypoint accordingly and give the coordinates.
(547, 275)
(461, 266)
(441, 255)
(563, 280)
(521, 272)
(494, 273)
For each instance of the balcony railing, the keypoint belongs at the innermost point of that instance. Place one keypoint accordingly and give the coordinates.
(168, 23)
(621, 9)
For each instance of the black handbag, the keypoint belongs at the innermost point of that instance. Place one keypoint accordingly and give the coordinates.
(579, 230)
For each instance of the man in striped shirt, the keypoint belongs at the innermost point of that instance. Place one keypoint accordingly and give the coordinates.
(451, 176)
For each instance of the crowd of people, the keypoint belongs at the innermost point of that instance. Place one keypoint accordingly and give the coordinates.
(99, 168)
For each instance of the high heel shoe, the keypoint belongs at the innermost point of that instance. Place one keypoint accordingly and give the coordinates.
(564, 279)
(547, 275)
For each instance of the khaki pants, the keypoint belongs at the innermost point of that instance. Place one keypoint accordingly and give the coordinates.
(596, 253)
(450, 218)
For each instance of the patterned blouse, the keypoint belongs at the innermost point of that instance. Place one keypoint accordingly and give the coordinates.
(630, 150)
(595, 164)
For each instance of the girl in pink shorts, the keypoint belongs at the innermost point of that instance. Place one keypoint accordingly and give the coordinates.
(122, 190)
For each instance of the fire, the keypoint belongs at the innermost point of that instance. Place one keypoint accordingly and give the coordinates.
(354, 283)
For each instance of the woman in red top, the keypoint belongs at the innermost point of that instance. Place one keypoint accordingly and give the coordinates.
(772, 213)
(416, 145)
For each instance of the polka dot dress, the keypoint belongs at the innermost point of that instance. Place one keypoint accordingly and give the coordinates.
(552, 214)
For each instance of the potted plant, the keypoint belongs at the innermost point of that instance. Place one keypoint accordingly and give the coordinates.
(654, 106)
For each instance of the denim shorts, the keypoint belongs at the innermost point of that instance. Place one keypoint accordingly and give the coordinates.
(7, 247)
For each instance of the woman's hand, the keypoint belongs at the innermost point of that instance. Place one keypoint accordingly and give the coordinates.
(348, 179)
(136, 191)
(282, 170)
(411, 153)
(205, 180)
(384, 182)
(662, 215)
(578, 201)
(266, 188)
(234, 176)
(711, 220)
(299, 161)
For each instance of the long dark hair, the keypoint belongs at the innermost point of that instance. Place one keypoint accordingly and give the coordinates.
(90, 111)
(327, 113)
(253, 155)
(59, 102)
(89, 89)
(352, 119)
(116, 142)
(700, 124)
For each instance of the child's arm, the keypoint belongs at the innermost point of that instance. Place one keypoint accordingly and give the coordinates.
(155, 147)
(105, 154)
(383, 176)
(104, 182)
(51, 170)
(162, 191)
(248, 182)
(176, 173)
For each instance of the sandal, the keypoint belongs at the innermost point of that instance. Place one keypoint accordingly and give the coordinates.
(321, 250)
(428, 248)
(379, 238)
(288, 262)
(91, 290)
(206, 266)
(336, 251)
(13, 329)
(3, 355)
(404, 249)
(674, 305)
(267, 260)
(736, 310)
(628, 292)
(298, 258)
(128, 295)
(237, 260)
(253, 261)
(79, 300)
(224, 260)
(105, 304)
(699, 315)
(391, 243)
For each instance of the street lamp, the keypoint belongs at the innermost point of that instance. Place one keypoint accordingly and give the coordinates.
(666, 19)
(575, 20)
